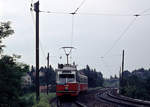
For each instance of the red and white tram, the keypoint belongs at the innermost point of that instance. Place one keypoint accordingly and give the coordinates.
(69, 81)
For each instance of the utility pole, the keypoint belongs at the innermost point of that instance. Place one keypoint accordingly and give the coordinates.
(36, 9)
(48, 60)
(47, 72)
(120, 79)
(121, 73)
(122, 63)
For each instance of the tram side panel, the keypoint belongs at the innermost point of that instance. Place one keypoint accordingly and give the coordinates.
(83, 81)
(67, 89)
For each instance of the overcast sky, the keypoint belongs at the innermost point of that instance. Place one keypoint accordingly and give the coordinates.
(93, 34)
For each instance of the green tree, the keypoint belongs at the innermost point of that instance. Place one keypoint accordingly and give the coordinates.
(11, 73)
(10, 80)
(5, 31)
(136, 84)
(95, 78)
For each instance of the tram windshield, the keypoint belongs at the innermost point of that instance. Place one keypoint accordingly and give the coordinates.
(66, 78)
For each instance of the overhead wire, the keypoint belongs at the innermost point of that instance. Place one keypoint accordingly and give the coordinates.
(73, 13)
(95, 14)
(53, 12)
(126, 29)
(79, 7)
(121, 35)
(72, 30)
(104, 14)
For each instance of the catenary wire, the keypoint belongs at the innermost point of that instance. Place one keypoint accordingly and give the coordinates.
(94, 14)
(104, 14)
(127, 28)
(72, 30)
(79, 7)
(121, 35)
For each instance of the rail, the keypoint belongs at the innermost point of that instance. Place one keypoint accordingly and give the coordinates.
(108, 96)
(69, 103)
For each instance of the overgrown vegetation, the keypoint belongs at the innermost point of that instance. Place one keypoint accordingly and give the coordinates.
(136, 84)
(44, 100)
(29, 100)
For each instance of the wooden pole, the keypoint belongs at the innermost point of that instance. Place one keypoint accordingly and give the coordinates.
(47, 72)
(36, 9)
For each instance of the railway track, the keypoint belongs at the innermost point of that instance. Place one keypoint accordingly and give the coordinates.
(69, 103)
(109, 97)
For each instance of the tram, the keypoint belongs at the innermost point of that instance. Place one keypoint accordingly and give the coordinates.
(69, 81)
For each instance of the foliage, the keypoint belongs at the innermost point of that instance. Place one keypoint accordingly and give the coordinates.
(136, 84)
(11, 73)
(27, 100)
(10, 80)
(112, 82)
(48, 77)
(95, 79)
(5, 31)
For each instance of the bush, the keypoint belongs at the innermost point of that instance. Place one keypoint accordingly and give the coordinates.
(27, 100)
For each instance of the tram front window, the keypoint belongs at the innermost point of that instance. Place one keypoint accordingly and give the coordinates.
(66, 78)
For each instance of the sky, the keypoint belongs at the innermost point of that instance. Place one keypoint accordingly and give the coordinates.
(101, 30)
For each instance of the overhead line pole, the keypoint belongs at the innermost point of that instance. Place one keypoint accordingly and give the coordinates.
(47, 73)
(122, 62)
(48, 60)
(121, 73)
(36, 9)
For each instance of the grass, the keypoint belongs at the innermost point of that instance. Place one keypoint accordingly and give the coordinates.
(44, 100)
(30, 100)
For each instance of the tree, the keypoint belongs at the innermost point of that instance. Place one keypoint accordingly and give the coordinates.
(5, 31)
(11, 73)
(10, 80)
(95, 78)
(136, 84)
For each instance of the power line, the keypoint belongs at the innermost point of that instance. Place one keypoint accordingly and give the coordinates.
(72, 30)
(105, 14)
(78, 7)
(95, 14)
(54, 12)
(75, 12)
(121, 35)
